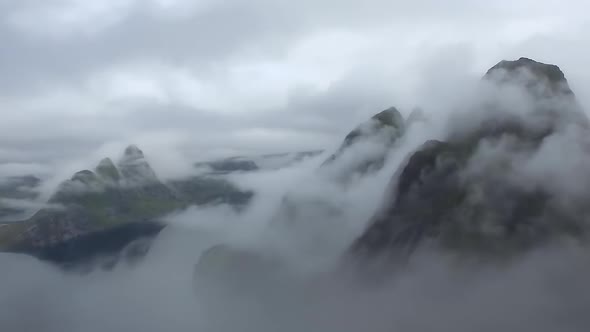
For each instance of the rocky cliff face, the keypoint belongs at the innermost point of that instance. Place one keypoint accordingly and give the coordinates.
(487, 188)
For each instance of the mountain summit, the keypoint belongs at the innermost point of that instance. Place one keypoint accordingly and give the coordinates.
(487, 187)
(546, 78)
(379, 133)
(133, 152)
(107, 170)
(135, 169)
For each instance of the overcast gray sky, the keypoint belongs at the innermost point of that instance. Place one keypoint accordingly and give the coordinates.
(213, 77)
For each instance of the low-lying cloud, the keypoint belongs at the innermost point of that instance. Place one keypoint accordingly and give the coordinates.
(542, 290)
(217, 80)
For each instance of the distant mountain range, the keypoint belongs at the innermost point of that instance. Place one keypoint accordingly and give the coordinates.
(254, 163)
(100, 212)
(110, 198)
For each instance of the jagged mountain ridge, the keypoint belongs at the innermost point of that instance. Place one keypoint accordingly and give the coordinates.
(108, 200)
(120, 203)
(382, 130)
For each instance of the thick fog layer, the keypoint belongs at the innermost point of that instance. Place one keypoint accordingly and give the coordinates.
(192, 81)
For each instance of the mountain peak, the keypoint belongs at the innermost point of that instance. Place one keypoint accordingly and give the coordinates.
(84, 176)
(135, 168)
(389, 117)
(133, 152)
(530, 73)
(107, 169)
(382, 129)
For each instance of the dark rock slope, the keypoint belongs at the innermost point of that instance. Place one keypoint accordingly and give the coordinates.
(490, 188)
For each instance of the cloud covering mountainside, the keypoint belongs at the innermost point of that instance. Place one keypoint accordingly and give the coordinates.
(467, 216)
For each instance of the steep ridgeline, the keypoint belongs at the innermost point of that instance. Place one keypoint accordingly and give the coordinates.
(380, 133)
(363, 152)
(120, 202)
(512, 174)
